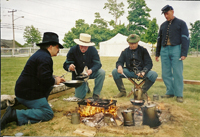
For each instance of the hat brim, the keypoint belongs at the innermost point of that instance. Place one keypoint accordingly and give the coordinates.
(133, 41)
(77, 41)
(50, 42)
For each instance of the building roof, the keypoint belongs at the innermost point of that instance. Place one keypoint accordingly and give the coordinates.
(9, 44)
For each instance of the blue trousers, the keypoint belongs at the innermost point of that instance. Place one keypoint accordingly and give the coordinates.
(38, 110)
(151, 75)
(99, 77)
(172, 70)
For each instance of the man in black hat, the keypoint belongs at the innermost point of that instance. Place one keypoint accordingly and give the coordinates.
(35, 84)
(172, 46)
(138, 65)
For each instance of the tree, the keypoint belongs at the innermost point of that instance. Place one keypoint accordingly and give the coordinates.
(138, 16)
(151, 33)
(100, 22)
(115, 9)
(81, 27)
(32, 35)
(195, 35)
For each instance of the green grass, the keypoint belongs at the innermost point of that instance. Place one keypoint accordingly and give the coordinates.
(12, 67)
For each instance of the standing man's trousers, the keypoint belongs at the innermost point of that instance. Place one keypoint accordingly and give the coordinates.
(172, 70)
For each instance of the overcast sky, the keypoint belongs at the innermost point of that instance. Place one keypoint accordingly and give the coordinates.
(59, 16)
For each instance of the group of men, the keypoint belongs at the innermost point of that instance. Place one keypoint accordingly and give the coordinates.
(36, 80)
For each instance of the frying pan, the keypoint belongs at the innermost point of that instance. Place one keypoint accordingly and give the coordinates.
(73, 83)
(82, 77)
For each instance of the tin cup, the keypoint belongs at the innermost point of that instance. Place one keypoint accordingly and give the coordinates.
(107, 118)
(155, 97)
(75, 119)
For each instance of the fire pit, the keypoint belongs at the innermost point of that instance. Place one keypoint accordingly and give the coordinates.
(102, 112)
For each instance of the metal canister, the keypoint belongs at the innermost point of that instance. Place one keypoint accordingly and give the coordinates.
(155, 97)
(75, 119)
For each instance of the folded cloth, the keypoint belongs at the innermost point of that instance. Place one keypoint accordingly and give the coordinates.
(72, 99)
(7, 100)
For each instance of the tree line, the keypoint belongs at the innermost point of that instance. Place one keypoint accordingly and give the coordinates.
(100, 29)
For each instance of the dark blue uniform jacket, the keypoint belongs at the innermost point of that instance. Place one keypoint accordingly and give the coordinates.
(178, 35)
(90, 59)
(142, 57)
(37, 77)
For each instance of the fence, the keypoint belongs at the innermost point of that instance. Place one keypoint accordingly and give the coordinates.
(24, 52)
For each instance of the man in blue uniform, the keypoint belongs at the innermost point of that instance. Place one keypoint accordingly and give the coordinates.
(82, 55)
(138, 64)
(172, 46)
(35, 84)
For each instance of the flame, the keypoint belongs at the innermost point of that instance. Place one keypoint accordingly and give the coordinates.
(160, 106)
(89, 110)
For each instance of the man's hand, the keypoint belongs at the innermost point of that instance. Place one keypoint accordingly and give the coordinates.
(157, 58)
(59, 80)
(183, 57)
(120, 69)
(141, 74)
(89, 72)
(72, 67)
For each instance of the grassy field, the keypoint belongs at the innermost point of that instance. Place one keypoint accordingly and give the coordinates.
(188, 126)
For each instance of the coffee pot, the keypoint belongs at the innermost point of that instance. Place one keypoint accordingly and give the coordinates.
(128, 116)
(150, 115)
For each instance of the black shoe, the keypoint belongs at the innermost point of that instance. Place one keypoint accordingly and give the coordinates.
(9, 116)
(95, 97)
(167, 96)
(179, 99)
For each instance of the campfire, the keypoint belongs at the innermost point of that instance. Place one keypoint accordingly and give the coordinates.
(99, 106)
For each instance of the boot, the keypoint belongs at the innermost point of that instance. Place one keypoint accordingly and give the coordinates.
(95, 97)
(147, 85)
(121, 88)
(9, 116)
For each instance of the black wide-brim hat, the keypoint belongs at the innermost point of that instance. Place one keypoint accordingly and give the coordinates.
(50, 38)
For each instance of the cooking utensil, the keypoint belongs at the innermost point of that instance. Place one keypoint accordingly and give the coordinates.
(75, 71)
(150, 115)
(82, 77)
(75, 118)
(73, 83)
(137, 102)
(128, 117)
(155, 97)
(124, 75)
(63, 75)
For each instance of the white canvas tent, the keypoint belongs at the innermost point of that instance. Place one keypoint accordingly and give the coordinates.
(114, 46)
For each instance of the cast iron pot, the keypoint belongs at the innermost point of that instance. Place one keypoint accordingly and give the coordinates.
(73, 83)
